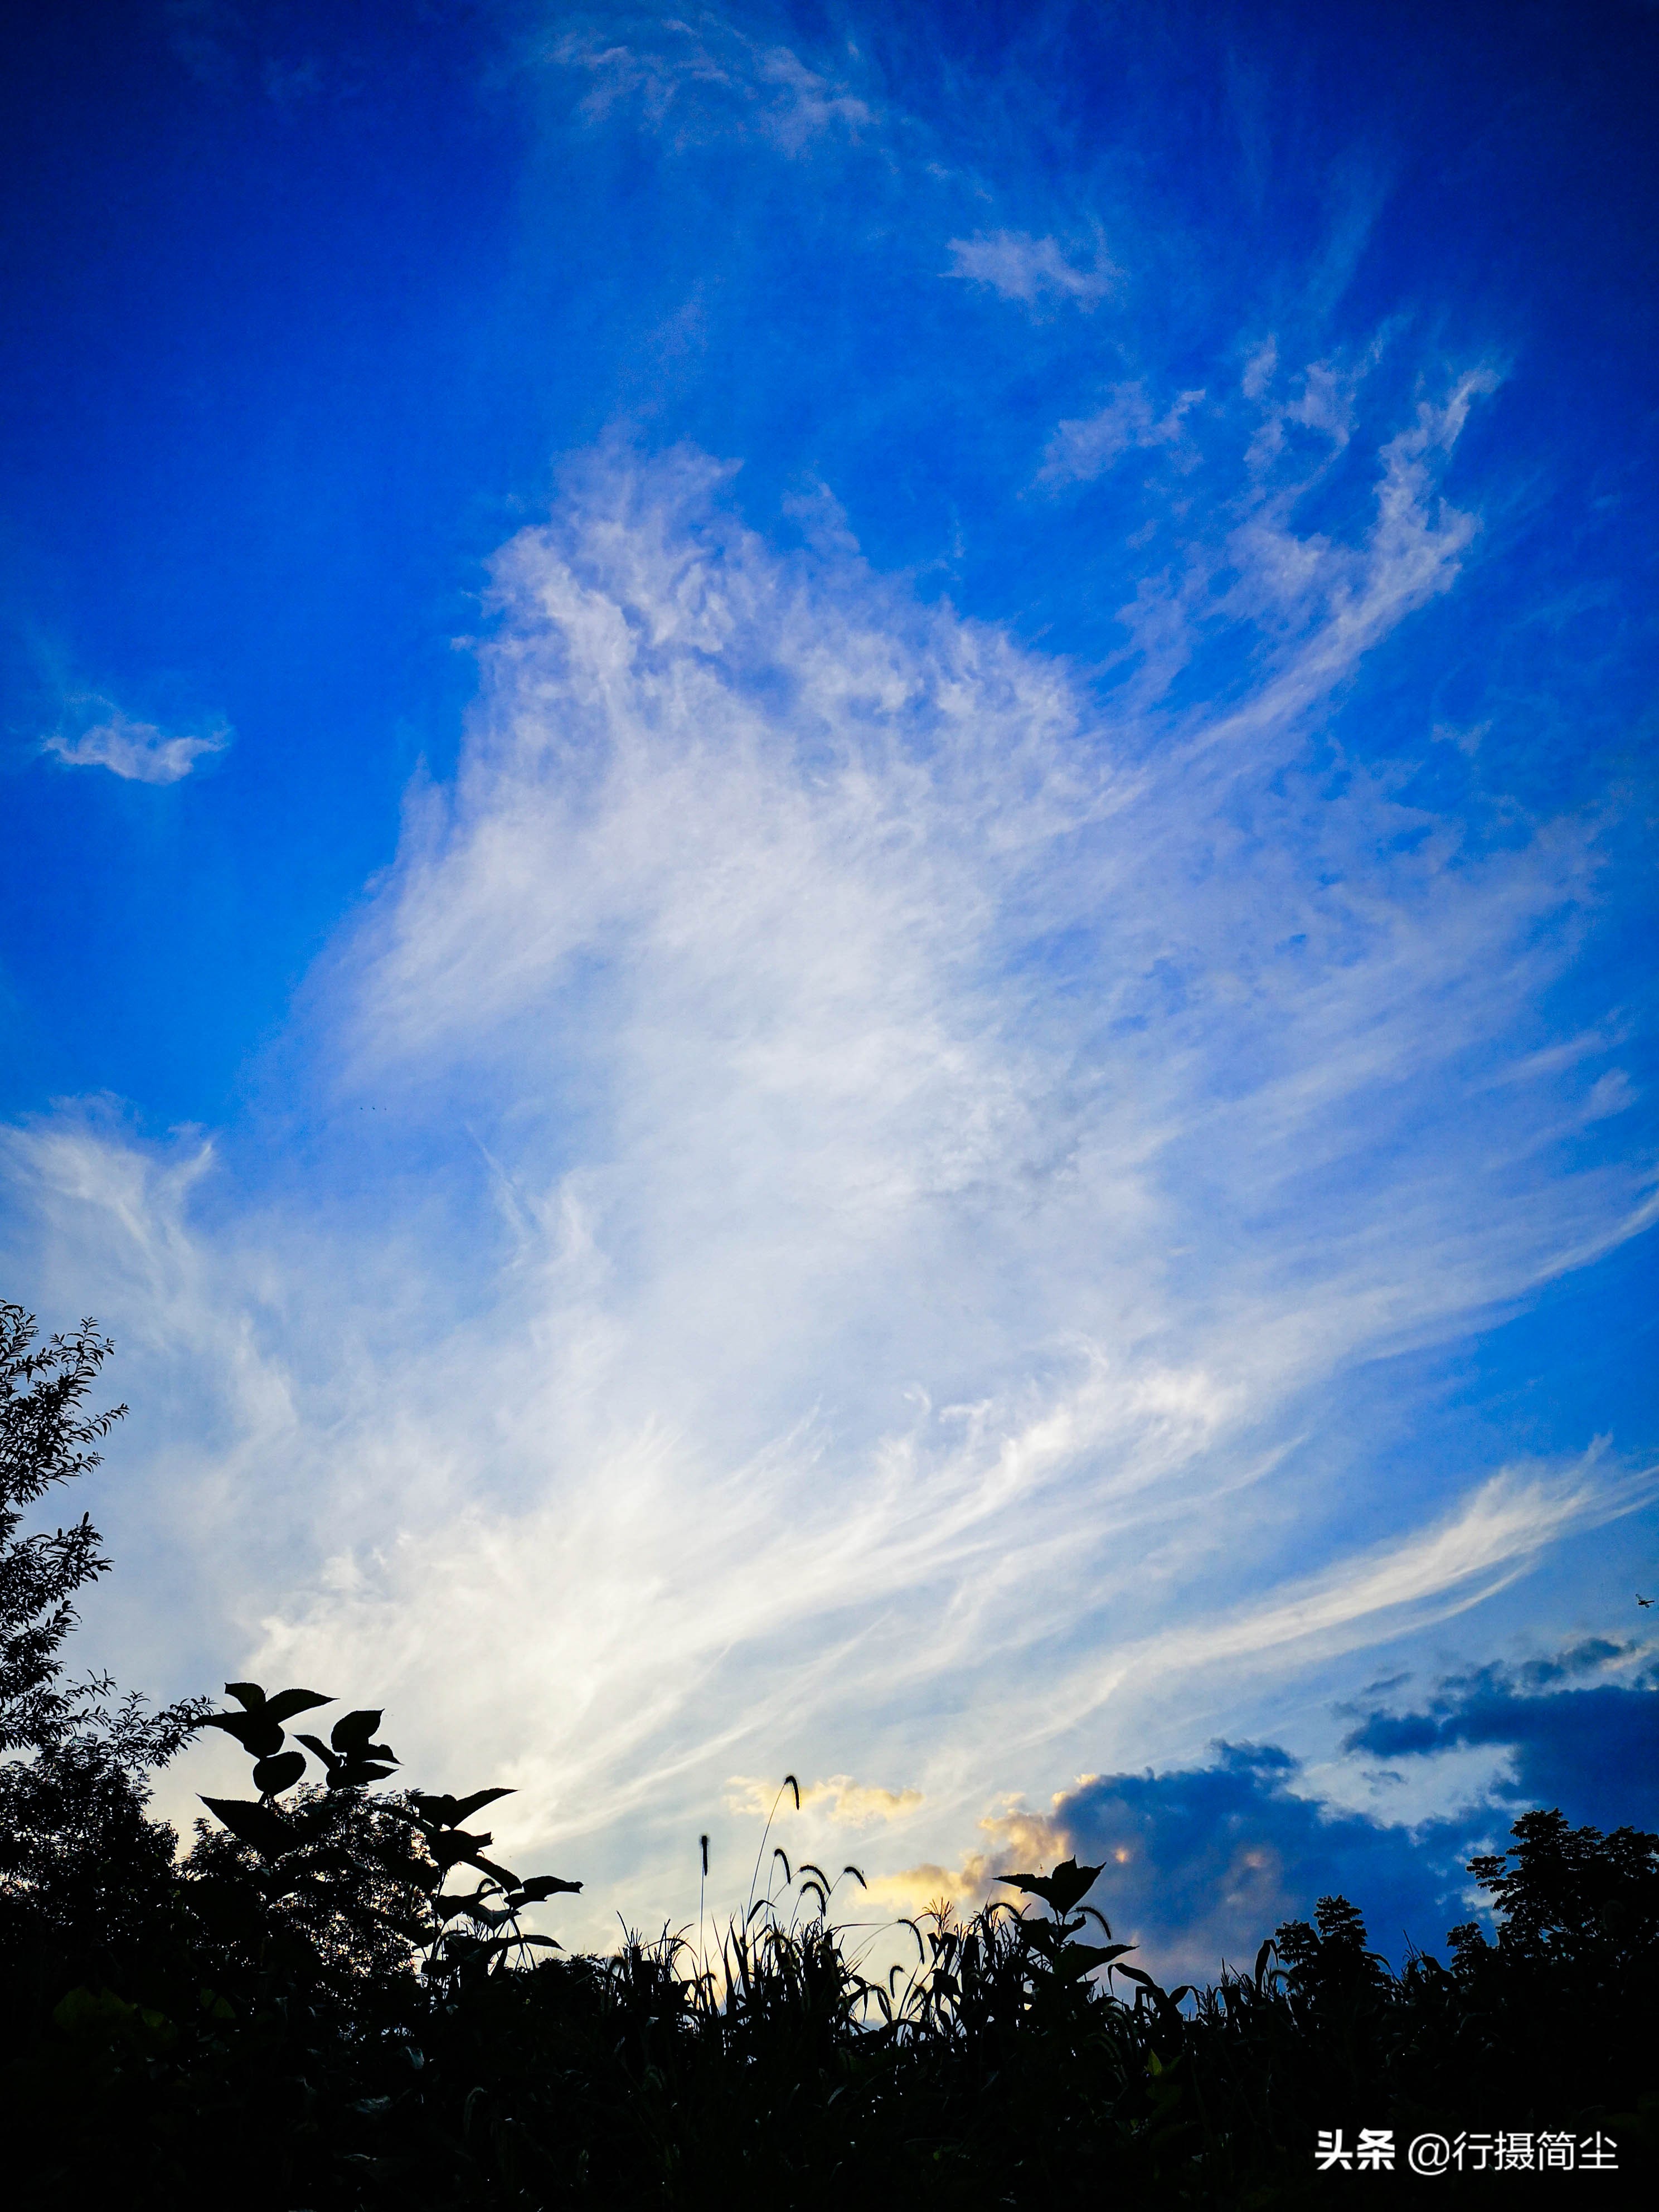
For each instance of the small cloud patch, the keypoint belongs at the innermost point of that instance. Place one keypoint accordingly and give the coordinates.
(1031, 270)
(1083, 449)
(138, 753)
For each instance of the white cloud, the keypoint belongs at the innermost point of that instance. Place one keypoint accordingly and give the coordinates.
(1318, 602)
(1486, 1541)
(1259, 369)
(691, 82)
(1029, 269)
(1086, 447)
(138, 753)
(877, 1157)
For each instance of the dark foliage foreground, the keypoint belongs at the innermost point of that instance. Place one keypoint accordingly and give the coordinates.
(332, 2002)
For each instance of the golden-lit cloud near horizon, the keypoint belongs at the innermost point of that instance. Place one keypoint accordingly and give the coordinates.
(1020, 1841)
(838, 1798)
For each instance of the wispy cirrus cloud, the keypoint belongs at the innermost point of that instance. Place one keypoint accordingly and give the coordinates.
(138, 753)
(1316, 602)
(1085, 447)
(1486, 1541)
(1031, 270)
(689, 82)
(875, 1154)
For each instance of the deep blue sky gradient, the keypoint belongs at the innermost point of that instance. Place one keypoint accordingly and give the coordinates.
(301, 311)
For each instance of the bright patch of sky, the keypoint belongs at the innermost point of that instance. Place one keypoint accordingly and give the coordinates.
(912, 1035)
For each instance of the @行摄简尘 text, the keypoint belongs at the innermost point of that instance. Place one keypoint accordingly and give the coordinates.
(1502, 2151)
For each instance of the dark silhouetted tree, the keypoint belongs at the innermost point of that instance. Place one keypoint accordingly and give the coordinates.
(45, 1436)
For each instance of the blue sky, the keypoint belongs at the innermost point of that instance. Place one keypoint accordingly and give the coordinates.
(830, 912)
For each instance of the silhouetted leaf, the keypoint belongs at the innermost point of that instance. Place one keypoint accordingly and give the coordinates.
(352, 1731)
(455, 1847)
(287, 1703)
(256, 1824)
(1083, 1958)
(446, 1905)
(1065, 1887)
(258, 1737)
(356, 1773)
(272, 1775)
(463, 1808)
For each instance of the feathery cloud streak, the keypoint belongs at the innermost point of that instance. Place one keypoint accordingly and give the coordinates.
(882, 1148)
(694, 81)
(1086, 447)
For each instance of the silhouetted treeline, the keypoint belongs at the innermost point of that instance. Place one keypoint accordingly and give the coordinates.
(331, 2001)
